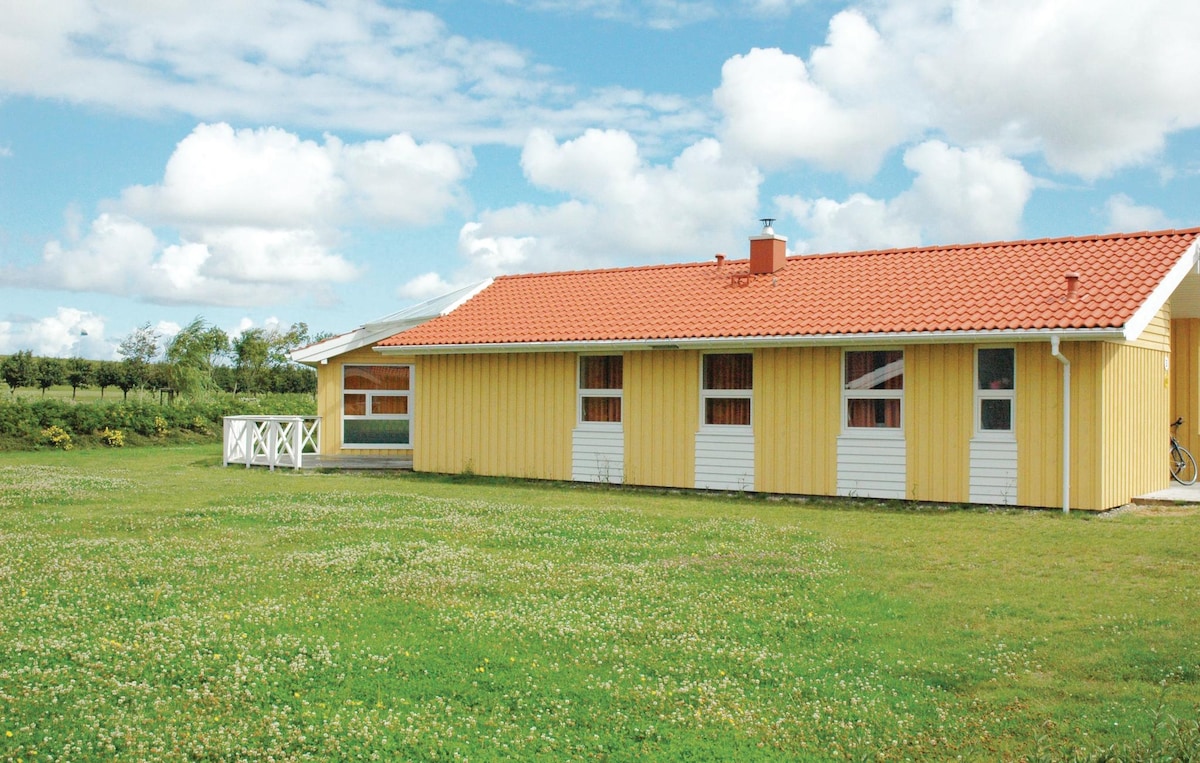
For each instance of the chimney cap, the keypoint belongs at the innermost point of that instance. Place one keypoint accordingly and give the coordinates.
(767, 229)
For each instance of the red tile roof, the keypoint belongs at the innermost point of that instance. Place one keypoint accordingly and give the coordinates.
(978, 287)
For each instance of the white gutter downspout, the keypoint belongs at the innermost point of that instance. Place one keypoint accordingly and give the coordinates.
(1066, 437)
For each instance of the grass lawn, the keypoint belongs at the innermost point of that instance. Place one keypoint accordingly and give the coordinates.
(156, 606)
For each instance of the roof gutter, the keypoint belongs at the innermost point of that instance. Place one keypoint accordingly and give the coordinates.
(1066, 423)
(714, 343)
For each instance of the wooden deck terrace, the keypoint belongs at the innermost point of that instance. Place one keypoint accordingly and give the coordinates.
(290, 442)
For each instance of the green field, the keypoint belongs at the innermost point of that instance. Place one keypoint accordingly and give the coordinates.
(156, 606)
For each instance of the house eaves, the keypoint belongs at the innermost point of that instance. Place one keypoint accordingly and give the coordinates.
(996, 336)
(373, 331)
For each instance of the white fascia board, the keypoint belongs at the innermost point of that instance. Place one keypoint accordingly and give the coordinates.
(416, 314)
(375, 331)
(728, 343)
(466, 296)
(1166, 287)
(315, 353)
(344, 343)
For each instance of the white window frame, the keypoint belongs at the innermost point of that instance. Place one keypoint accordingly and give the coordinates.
(995, 394)
(871, 394)
(707, 394)
(582, 392)
(368, 416)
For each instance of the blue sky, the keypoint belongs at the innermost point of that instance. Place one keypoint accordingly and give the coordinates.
(331, 162)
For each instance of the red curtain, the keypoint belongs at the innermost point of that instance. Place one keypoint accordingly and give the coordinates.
(376, 377)
(729, 371)
(607, 409)
(601, 372)
(389, 404)
(861, 413)
(354, 405)
(873, 412)
(876, 370)
(727, 410)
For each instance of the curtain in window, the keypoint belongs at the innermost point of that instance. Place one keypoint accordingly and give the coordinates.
(600, 372)
(354, 405)
(603, 409)
(875, 369)
(873, 412)
(377, 377)
(389, 405)
(727, 410)
(729, 371)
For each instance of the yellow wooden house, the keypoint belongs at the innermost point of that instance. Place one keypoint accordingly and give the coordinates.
(1033, 373)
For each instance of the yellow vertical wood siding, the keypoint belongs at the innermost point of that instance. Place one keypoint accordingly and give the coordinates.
(797, 419)
(513, 414)
(661, 413)
(1185, 380)
(1088, 425)
(1039, 425)
(939, 402)
(1134, 408)
(1157, 335)
(1119, 397)
(501, 414)
(329, 401)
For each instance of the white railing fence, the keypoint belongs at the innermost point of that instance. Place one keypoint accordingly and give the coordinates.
(270, 440)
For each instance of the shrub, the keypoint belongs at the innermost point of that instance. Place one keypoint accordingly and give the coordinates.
(58, 437)
(113, 438)
(22, 421)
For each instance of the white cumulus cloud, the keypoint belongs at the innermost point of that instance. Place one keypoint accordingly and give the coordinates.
(270, 177)
(258, 216)
(69, 332)
(622, 209)
(1127, 216)
(121, 256)
(1093, 86)
(776, 112)
(957, 195)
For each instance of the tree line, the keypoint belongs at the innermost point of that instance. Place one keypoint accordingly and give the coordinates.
(200, 358)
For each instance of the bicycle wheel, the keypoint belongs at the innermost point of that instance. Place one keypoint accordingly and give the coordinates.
(1183, 465)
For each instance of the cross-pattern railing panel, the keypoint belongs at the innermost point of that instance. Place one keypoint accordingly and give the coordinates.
(270, 440)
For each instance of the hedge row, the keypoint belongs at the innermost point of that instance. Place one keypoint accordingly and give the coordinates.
(23, 420)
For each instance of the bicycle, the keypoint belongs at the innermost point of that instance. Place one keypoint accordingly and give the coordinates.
(1183, 464)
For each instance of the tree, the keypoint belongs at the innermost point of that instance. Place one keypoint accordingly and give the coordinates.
(262, 357)
(251, 351)
(137, 351)
(48, 372)
(108, 374)
(283, 342)
(191, 355)
(80, 373)
(130, 377)
(19, 370)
